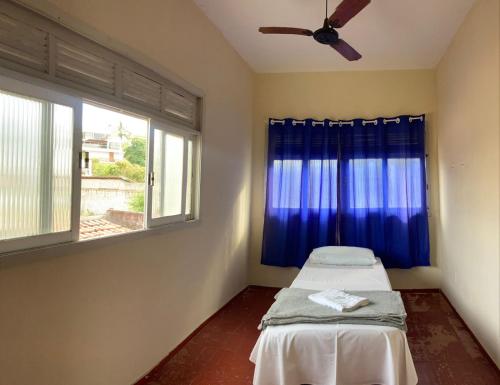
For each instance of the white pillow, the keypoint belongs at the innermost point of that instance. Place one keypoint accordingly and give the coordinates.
(342, 255)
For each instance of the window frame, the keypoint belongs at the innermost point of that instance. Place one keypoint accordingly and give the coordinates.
(36, 92)
(47, 75)
(195, 138)
(25, 85)
(187, 135)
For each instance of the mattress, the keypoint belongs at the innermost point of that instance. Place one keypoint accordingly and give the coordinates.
(334, 354)
(321, 277)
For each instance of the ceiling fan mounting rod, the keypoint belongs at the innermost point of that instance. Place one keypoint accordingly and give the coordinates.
(326, 34)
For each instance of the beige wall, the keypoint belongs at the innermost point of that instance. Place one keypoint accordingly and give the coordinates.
(468, 127)
(339, 95)
(107, 315)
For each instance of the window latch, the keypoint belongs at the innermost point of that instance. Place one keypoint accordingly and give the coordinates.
(151, 179)
(84, 159)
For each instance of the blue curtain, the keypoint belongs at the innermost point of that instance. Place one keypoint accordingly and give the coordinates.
(301, 208)
(357, 183)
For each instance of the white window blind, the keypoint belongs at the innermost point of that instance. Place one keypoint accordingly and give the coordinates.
(141, 89)
(80, 66)
(23, 45)
(179, 104)
(33, 44)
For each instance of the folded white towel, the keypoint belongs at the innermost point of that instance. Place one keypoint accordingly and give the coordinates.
(338, 300)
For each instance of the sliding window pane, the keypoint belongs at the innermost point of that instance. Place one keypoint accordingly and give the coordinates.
(61, 167)
(113, 182)
(36, 139)
(168, 166)
(189, 182)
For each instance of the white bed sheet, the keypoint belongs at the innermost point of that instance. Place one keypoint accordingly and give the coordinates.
(334, 354)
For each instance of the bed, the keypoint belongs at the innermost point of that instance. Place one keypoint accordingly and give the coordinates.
(334, 354)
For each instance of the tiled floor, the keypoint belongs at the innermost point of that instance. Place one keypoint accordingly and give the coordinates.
(443, 350)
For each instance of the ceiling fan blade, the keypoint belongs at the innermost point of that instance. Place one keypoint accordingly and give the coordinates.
(346, 50)
(286, 31)
(346, 10)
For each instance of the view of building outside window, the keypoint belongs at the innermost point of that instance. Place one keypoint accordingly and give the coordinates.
(113, 180)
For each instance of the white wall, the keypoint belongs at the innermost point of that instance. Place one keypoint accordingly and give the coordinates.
(468, 147)
(107, 314)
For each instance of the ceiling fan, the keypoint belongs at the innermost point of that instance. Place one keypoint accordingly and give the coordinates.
(327, 34)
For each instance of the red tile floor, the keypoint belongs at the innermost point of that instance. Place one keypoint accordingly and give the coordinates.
(444, 351)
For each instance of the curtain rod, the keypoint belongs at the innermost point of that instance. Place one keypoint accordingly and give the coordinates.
(350, 122)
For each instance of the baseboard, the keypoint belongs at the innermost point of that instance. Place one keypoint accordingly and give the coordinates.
(419, 290)
(144, 380)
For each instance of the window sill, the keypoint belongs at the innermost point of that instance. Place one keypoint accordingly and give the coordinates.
(59, 249)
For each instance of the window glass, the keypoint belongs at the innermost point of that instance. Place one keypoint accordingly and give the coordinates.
(287, 178)
(404, 182)
(365, 189)
(189, 182)
(113, 180)
(323, 184)
(62, 167)
(36, 139)
(168, 166)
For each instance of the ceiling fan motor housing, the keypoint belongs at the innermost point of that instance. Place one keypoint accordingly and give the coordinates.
(326, 34)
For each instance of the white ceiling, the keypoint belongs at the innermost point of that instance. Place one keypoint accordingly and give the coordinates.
(390, 34)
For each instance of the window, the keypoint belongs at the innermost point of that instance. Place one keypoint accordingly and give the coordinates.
(404, 183)
(73, 170)
(287, 177)
(172, 161)
(366, 190)
(36, 146)
(191, 178)
(113, 180)
(322, 184)
(36, 168)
